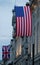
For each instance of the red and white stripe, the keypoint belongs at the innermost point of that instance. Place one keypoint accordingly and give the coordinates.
(30, 21)
(25, 22)
(17, 23)
(22, 26)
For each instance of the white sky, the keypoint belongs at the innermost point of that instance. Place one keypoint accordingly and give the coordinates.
(6, 7)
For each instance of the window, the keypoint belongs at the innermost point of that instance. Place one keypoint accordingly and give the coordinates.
(18, 47)
(26, 50)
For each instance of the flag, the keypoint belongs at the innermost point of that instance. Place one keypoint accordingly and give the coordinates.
(5, 52)
(23, 21)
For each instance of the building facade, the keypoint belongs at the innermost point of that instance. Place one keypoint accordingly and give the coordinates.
(35, 38)
(22, 46)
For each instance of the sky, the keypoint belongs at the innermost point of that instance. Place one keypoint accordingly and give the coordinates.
(6, 7)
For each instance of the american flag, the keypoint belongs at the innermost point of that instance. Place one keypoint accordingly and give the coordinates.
(5, 52)
(23, 21)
